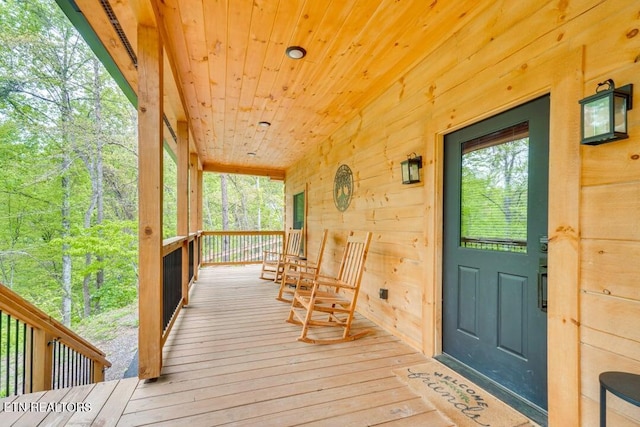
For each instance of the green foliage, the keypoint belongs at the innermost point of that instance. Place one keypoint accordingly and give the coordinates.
(113, 245)
(254, 203)
(494, 191)
(115, 295)
(115, 241)
(169, 197)
(59, 114)
(68, 172)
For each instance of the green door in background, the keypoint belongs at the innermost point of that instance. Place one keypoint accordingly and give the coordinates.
(298, 210)
(495, 227)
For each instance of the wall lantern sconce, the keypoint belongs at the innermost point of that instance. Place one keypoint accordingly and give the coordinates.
(604, 115)
(411, 169)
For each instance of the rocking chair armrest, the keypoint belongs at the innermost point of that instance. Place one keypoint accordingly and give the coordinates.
(307, 275)
(279, 254)
(322, 278)
(309, 269)
(325, 281)
(294, 260)
(302, 265)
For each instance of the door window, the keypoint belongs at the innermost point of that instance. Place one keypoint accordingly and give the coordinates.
(494, 177)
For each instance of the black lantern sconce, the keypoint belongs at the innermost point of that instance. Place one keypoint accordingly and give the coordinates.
(604, 115)
(411, 169)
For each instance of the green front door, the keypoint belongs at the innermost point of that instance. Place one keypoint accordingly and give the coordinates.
(495, 228)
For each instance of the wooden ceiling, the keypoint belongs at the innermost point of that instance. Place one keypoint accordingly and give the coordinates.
(229, 70)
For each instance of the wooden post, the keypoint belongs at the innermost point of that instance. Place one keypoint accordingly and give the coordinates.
(195, 201)
(564, 242)
(199, 218)
(193, 193)
(98, 372)
(150, 149)
(40, 354)
(199, 199)
(183, 203)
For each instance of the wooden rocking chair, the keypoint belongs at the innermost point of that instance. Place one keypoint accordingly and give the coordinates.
(297, 271)
(332, 301)
(273, 262)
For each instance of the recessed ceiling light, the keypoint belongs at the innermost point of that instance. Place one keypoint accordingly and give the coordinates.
(264, 124)
(296, 52)
(251, 154)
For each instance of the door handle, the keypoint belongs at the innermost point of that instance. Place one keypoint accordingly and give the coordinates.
(542, 287)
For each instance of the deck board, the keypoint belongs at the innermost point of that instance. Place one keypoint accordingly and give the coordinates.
(232, 359)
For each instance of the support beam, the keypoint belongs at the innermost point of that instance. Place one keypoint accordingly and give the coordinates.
(145, 13)
(274, 174)
(199, 199)
(195, 205)
(184, 172)
(564, 241)
(193, 193)
(150, 168)
(183, 203)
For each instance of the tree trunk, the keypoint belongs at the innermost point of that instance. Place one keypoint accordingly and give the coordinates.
(86, 282)
(225, 201)
(225, 215)
(242, 216)
(66, 234)
(65, 119)
(99, 175)
(207, 208)
(260, 201)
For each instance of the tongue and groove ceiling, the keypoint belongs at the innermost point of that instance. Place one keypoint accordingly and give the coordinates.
(229, 70)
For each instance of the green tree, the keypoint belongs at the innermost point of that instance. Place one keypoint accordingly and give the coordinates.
(68, 176)
(253, 203)
(494, 191)
(70, 121)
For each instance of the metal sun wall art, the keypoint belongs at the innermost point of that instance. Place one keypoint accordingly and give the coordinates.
(343, 188)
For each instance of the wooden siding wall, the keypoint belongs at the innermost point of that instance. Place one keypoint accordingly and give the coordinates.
(503, 56)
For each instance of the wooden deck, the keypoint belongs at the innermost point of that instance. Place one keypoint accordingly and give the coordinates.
(233, 360)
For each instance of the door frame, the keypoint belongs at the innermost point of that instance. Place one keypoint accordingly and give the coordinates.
(487, 265)
(560, 76)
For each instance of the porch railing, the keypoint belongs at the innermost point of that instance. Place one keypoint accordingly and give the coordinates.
(180, 265)
(171, 285)
(38, 353)
(182, 257)
(238, 247)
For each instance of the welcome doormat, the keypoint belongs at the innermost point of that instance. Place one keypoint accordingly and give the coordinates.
(457, 398)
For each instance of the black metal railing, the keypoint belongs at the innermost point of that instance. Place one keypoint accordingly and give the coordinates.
(238, 247)
(69, 367)
(191, 258)
(39, 353)
(199, 252)
(16, 341)
(171, 285)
